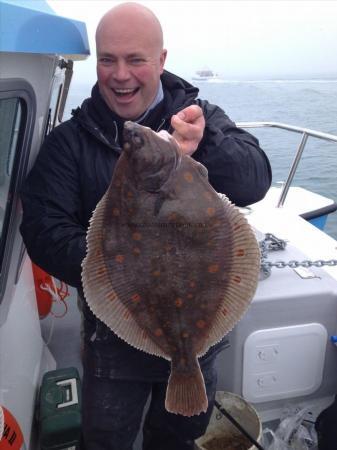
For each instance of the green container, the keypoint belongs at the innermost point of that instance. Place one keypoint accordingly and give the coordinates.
(60, 409)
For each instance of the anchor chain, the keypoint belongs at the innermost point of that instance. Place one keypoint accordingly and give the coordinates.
(273, 243)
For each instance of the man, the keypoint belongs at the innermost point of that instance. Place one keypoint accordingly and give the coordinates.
(70, 176)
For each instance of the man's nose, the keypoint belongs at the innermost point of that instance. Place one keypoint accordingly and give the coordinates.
(121, 71)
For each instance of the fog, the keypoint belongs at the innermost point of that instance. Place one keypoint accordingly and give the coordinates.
(236, 39)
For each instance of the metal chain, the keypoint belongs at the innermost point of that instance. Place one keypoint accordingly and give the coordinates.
(272, 243)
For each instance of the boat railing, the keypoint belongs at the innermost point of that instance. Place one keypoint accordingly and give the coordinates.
(305, 132)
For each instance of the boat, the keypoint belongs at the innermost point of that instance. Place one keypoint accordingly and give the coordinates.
(311, 206)
(205, 75)
(37, 51)
(281, 353)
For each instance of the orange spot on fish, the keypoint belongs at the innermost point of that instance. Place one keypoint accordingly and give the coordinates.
(240, 252)
(236, 227)
(115, 212)
(224, 312)
(178, 302)
(200, 324)
(126, 315)
(192, 284)
(208, 195)
(119, 258)
(210, 211)
(188, 177)
(129, 194)
(136, 236)
(172, 216)
(135, 298)
(190, 296)
(184, 334)
(136, 251)
(158, 332)
(237, 279)
(98, 253)
(213, 268)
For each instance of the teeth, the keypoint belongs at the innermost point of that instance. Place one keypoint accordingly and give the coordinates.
(123, 91)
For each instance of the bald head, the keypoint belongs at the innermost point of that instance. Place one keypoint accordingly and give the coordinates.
(130, 59)
(131, 16)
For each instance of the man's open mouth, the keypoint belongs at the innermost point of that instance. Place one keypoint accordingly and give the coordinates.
(125, 92)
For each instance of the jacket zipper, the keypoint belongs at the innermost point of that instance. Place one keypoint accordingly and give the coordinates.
(161, 125)
(116, 130)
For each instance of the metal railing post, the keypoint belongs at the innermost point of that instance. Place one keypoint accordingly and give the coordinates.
(292, 171)
(306, 132)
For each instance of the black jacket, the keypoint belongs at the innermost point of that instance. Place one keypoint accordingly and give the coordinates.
(76, 161)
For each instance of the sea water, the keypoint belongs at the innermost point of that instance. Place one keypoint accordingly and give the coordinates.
(304, 103)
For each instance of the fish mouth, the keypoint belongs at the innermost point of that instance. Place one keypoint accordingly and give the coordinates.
(133, 135)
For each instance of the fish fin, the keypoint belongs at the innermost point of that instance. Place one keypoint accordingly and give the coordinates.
(242, 278)
(186, 393)
(100, 295)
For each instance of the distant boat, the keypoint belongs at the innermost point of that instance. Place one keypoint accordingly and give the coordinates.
(205, 75)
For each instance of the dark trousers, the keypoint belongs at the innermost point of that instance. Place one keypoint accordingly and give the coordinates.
(113, 411)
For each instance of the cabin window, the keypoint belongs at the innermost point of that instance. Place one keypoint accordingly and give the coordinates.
(10, 120)
(17, 120)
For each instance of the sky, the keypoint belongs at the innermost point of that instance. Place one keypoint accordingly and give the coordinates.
(245, 39)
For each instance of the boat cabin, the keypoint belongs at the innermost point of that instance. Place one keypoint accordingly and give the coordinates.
(37, 51)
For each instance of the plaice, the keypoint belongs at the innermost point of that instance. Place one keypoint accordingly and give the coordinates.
(171, 265)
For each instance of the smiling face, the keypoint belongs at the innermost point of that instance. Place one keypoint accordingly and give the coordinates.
(130, 59)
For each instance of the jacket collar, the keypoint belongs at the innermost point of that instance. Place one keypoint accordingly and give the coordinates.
(96, 117)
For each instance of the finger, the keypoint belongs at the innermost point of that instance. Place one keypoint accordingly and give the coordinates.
(190, 114)
(187, 146)
(188, 130)
(179, 125)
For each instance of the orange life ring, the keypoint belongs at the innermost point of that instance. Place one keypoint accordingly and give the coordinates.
(12, 437)
(43, 298)
(47, 292)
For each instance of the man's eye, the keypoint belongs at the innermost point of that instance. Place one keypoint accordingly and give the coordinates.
(105, 60)
(137, 61)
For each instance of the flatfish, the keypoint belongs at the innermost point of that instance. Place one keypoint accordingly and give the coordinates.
(171, 265)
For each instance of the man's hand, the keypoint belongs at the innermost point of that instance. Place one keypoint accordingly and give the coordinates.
(189, 125)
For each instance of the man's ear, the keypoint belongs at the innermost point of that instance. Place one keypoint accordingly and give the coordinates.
(162, 59)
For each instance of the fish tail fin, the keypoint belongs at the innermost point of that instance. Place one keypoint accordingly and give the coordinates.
(186, 393)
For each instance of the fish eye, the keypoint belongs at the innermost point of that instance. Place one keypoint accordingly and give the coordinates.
(135, 139)
(138, 140)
